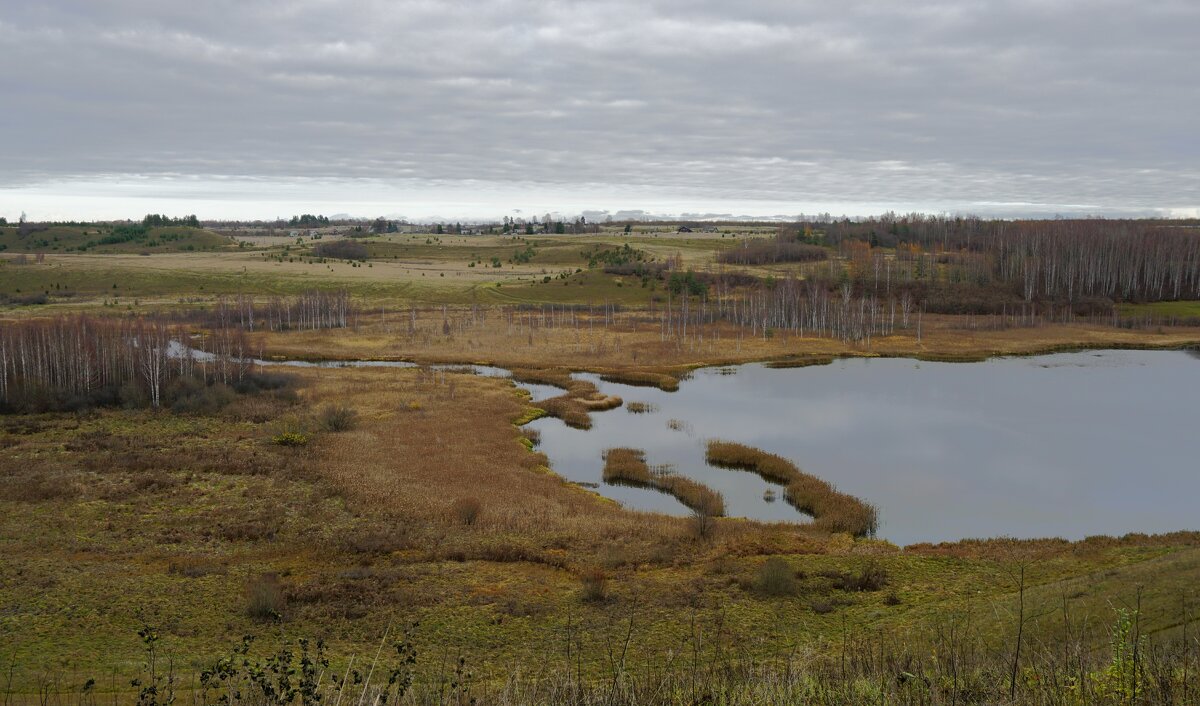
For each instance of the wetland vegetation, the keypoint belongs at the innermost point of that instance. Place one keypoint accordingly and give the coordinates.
(404, 529)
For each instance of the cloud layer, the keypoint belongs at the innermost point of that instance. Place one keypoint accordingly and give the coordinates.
(1005, 107)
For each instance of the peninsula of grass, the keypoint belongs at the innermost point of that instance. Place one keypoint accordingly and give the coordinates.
(575, 405)
(831, 510)
(625, 466)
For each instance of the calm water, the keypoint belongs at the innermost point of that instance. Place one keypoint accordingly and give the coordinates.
(1063, 445)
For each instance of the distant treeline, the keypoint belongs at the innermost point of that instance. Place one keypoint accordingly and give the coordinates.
(308, 220)
(155, 220)
(1058, 260)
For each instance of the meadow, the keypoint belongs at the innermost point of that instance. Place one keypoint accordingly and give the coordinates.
(404, 517)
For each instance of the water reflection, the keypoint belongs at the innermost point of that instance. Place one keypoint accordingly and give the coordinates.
(1063, 445)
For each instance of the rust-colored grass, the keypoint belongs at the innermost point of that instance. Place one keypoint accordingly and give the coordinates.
(632, 349)
(628, 467)
(832, 510)
(580, 398)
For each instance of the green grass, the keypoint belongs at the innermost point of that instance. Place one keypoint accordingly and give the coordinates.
(83, 573)
(1178, 309)
(61, 238)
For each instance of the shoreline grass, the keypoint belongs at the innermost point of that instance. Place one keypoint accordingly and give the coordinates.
(579, 399)
(831, 510)
(626, 466)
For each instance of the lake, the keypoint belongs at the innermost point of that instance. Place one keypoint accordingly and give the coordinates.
(1066, 445)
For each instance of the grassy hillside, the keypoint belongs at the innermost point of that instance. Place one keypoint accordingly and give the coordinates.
(107, 238)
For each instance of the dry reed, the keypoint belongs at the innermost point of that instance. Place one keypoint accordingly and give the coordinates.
(628, 467)
(832, 510)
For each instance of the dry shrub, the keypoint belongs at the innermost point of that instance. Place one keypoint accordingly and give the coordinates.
(40, 487)
(250, 529)
(822, 607)
(337, 418)
(832, 511)
(871, 577)
(154, 482)
(466, 510)
(377, 541)
(775, 577)
(594, 585)
(265, 599)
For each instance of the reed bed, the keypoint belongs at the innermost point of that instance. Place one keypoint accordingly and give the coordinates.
(627, 466)
(642, 378)
(832, 510)
(574, 406)
(641, 407)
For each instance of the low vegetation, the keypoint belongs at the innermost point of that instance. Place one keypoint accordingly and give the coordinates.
(628, 467)
(348, 504)
(831, 510)
(575, 405)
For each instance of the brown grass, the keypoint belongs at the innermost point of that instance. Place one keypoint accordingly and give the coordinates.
(632, 350)
(628, 467)
(642, 378)
(832, 511)
(575, 405)
(410, 465)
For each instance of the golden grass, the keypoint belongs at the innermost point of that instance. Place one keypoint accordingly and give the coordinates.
(628, 467)
(574, 406)
(832, 510)
(461, 443)
(632, 350)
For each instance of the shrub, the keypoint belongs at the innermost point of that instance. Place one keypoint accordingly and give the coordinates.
(872, 577)
(337, 418)
(776, 578)
(290, 438)
(822, 607)
(342, 249)
(466, 510)
(265, 599)
(594, 584)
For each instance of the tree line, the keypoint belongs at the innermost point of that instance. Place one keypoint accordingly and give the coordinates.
(1037, 260)
(75, 362)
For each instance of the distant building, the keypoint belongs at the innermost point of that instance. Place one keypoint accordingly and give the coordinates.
(684, 229)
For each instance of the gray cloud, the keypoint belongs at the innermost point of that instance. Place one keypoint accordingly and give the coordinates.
(1005, 107)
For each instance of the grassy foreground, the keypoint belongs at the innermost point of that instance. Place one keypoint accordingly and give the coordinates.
(409, 523)
(430, 509)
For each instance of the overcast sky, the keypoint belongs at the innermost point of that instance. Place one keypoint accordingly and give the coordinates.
(265, 108)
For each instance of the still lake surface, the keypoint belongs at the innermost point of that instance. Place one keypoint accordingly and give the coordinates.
(1066, 445)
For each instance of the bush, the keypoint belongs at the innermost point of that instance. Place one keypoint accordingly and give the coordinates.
(342, 249)
(337, 418)
(290, 438)
(776, 578)
(594, 584)
(872, 577)
(265, 599)
(466, 510)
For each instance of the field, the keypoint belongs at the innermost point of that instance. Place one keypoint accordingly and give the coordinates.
(355, 502)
